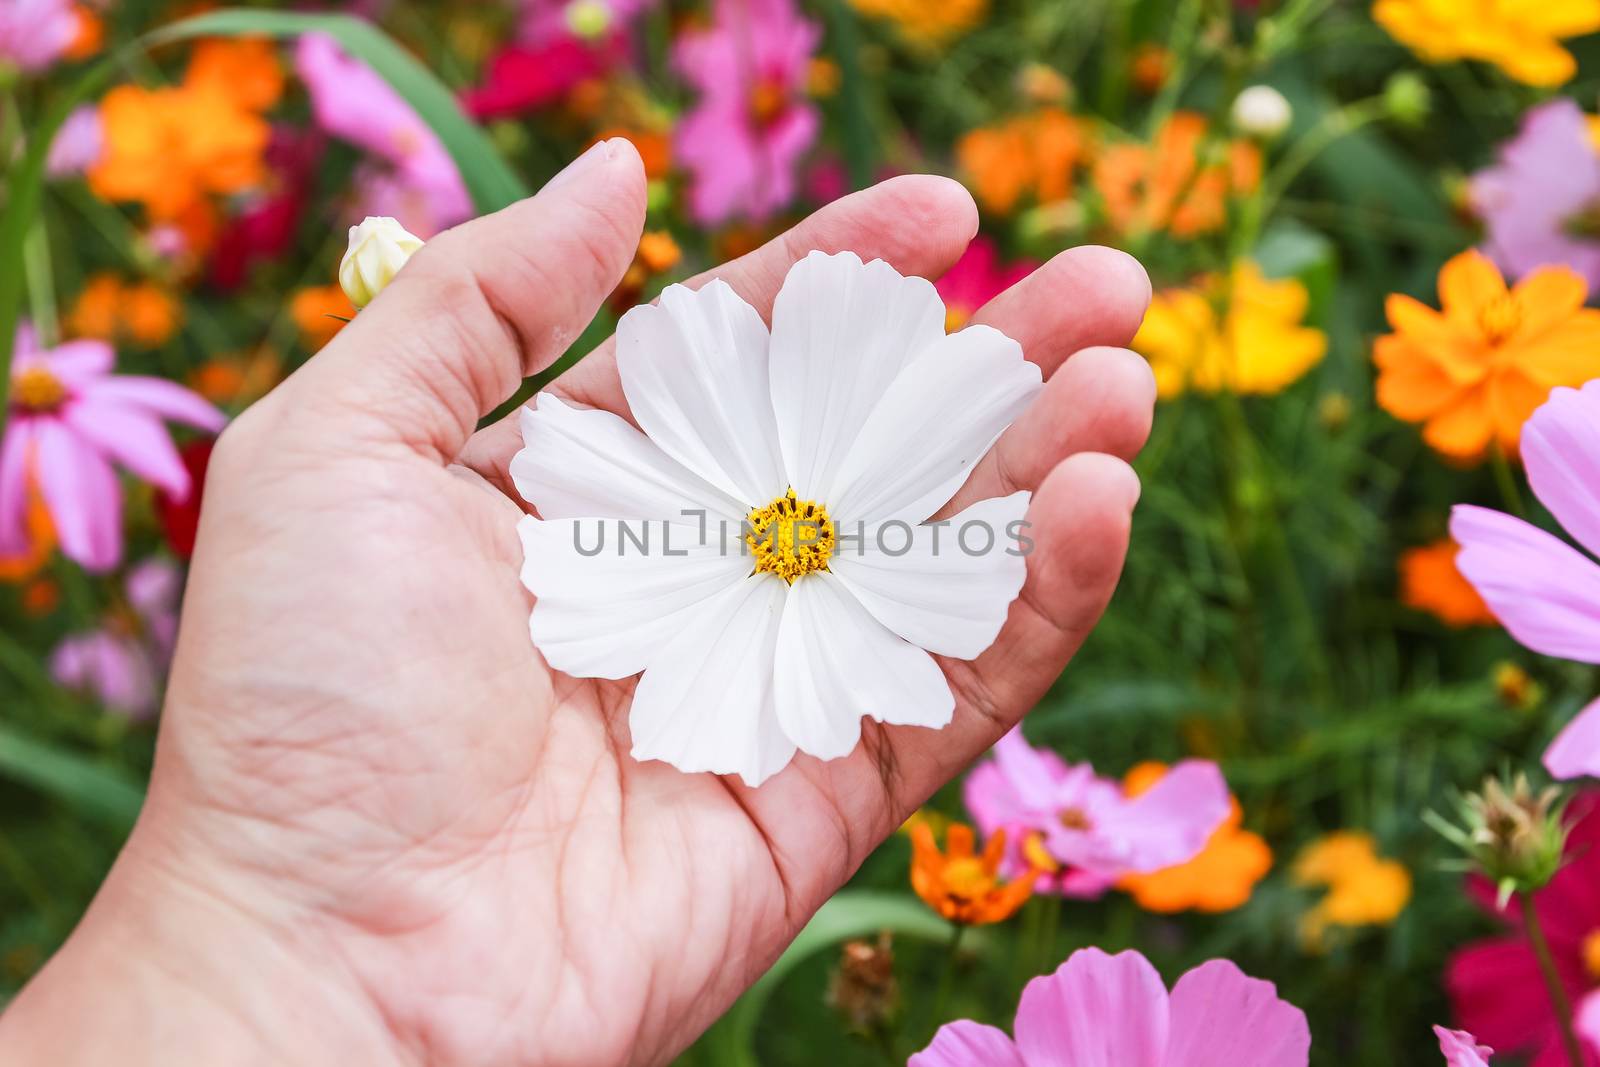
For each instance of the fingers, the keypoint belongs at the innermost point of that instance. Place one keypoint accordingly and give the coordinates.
(482, 306)
(1102, 400)
(919, 224)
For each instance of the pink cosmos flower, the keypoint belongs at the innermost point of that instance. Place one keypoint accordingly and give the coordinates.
(77, 145)
(1546, 592)
(1461, 1049)
(977, 278)
(410, 176)
(743, 141)
(1541, 201)
(1115, 1010)
(34, 33)
(121, 664)
(1083, 830)
(70, 420)
(1495, 985)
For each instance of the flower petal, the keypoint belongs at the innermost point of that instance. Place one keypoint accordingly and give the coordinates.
(77, 363)
(968, 1044)
(159, 397)
(842, 331)
(1575, 753)
(1096, 1011)
(1561, 449)
(578, 464)
(1587, 1020)
(1461, 1049)
(1467, 283)
(1544, 591)
(1169, 823)
(15, 446)
(604, 609)
(1223, 1018)
(836, 663)
(132, 437)
(83, 496)
(706, 701)
(694, 369)
(935, 421)
(950, 587)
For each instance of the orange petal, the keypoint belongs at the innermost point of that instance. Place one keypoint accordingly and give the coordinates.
(958, 841)
(1512, 398)
(1410, 387)
(1547, 298)
(1565, 354)
(1467, 283)
(1463, 430)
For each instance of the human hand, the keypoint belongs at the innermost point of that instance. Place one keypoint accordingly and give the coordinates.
(380, 829)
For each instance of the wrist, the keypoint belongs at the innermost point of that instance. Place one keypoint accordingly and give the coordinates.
(175, 963)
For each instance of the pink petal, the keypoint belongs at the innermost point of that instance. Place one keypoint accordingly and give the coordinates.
(1030, 772)
(1169, 823)
(968, 1044)
(1461, 1049)
(1546, 592)
(159, 397)
(1587, 1021)
(133, 438)
(1561, 449)
(78, 363)
(1222, 1018)
(14, 449)
(1575, 753)
(1095, 1011)
(111, 669)
(83, 496)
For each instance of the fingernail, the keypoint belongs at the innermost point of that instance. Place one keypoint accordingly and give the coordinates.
(597, 154)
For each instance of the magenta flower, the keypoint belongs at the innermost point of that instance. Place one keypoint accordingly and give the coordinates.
(34, 33)
(743, 141)
(77, 145)
(410, 176)
(1541, 201)
(121, 664)
(1114, 1010)
(977, 278)
(524, 77)
(1495, 986)
(1083, 830)
(1461, 1049)
(70, 420)
(1546, 592)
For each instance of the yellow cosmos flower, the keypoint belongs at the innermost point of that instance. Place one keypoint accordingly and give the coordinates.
(1523, 39)
(927, 22)
(1255, 343)
(1363, 888)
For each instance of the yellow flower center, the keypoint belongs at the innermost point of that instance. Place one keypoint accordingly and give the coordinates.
(768, 101)
(967, 878)
(1500, 318)
(36, 389)
(790, 537)
(1591, 954)
(955, 317)
(1074, 819)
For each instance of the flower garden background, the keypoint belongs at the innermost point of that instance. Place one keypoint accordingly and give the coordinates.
(1373, 231)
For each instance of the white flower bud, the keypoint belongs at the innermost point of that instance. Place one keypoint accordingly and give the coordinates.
(1261, 111)
(379, 247)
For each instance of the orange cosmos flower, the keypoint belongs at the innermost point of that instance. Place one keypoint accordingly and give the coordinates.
(1363, 888)
(141, 312)
(244, 68)
(1473, 372)
(1156, 187)
(1219, 879)
(962, 886)
(91, 35)
(320, 313)
(1035, 153)
(1430, 582)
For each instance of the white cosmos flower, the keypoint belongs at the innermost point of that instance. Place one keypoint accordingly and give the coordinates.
(854, 411)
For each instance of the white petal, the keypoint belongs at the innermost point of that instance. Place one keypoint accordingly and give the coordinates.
(841, 332)
(706, 702)
(694, 369)
(577, 463)
(837, 663)
(950, 589)
(936, 419)
(607, 614)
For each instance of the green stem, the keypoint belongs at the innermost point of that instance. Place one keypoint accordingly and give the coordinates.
(947, 978)
(858, 136)
(1552, 979)
(1506, 481)
(1336, 124)
(41, 285)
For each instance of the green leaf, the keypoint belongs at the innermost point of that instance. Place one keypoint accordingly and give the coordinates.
(849, 914)
(87, 787)
(489, 179)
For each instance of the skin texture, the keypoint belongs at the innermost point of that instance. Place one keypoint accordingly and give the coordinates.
(380, 830)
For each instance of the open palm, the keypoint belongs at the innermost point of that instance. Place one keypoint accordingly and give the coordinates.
(390, 831)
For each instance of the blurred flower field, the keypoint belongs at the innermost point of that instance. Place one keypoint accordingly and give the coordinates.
(1373, 231)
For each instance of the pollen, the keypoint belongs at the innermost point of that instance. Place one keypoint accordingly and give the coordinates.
(36, 389)
(790, 537)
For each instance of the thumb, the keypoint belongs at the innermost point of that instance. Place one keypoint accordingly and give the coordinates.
(479, 308)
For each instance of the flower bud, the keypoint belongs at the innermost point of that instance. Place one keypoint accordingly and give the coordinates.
(1407, 99)
(863, 989)
(1262, 112)
(588, 20)
(1511, 835)
(379, 247)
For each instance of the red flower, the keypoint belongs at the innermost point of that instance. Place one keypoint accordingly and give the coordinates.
(180, 519)
(1495, 984)
(525, 77)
